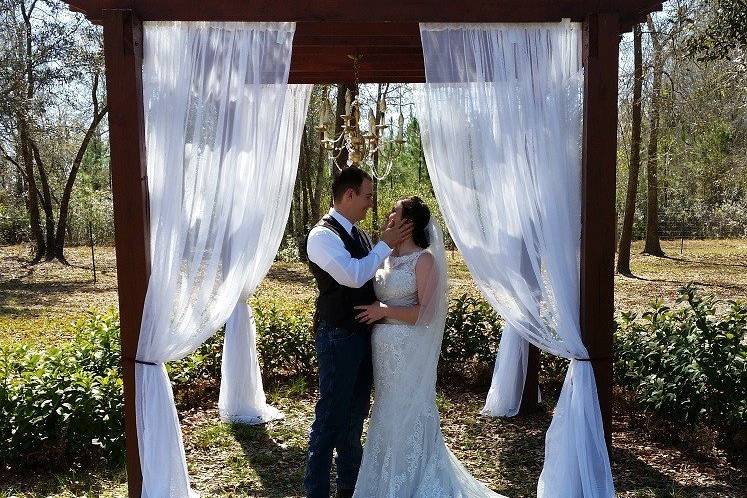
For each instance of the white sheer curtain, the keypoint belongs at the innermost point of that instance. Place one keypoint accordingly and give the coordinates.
(512, 360)
(242, 397)
(501, 118)
(509, 375)
(214, 95)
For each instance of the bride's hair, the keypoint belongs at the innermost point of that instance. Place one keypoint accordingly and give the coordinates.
(415, 210)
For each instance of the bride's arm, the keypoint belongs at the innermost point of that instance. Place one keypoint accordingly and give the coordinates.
(408, 314)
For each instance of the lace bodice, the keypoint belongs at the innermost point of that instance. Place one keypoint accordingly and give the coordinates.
(395, 284)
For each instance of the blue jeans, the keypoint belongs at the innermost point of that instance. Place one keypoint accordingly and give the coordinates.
(345, 380)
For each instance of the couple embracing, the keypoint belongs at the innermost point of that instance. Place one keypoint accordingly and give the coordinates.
(379, 322)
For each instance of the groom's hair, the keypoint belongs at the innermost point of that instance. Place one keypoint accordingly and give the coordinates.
(351, 177)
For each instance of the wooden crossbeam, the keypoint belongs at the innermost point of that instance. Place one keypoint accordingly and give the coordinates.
(351, 11)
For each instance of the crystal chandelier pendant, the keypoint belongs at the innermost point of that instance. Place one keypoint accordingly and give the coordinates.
(360, 144)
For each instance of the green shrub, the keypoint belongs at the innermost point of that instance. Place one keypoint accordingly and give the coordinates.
(285, 342)
(472, 334)
(203, 364)
(65, 401)
(285, 347)
(689, 364)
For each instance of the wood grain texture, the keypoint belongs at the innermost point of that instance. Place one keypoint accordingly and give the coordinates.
(347, 11)
(123, 37)
(600, 50)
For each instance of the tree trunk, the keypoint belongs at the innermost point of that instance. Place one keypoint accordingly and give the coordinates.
(46, 199)
(296, 207)
(25, 140)
(316, 204)
(32, 199)
(626, 235)
(300, 196)
(306, 182)
(59, 243)
(653, 245)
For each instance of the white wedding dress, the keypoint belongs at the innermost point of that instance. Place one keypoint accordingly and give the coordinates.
(405, 455)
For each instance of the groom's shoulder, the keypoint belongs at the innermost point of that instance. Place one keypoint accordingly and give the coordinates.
(325, 226)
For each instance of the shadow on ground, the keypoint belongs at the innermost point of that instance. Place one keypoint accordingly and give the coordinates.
(279, 466)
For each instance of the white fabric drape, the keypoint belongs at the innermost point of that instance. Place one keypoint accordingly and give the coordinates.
(501, 118)
(509, 375)
(213, 96)
(512, 360)
(242, 397)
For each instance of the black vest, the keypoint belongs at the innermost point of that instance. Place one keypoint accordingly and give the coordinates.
(335, 303)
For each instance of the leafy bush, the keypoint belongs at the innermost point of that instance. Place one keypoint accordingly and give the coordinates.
(203, 364)
(285, 347)
(472, 334)
(63, 401)
(14, 220)
(285, 341)
(689, 364)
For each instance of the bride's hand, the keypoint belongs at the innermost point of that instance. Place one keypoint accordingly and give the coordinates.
(371, 313)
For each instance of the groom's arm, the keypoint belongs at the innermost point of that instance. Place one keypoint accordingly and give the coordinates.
(327, 250)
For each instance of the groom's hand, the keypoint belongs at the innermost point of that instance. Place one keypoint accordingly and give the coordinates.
(371, 313)
(394, 233)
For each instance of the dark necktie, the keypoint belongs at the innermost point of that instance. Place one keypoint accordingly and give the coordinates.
(358, 236)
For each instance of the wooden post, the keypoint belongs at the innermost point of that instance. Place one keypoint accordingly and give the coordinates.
(600, 56)
(531, 383)
(123, 47)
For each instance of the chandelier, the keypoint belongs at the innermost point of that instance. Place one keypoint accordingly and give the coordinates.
(361, 144)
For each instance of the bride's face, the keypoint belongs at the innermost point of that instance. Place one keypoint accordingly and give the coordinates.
(396, 214)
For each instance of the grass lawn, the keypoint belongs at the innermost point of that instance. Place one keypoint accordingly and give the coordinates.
(36, 303)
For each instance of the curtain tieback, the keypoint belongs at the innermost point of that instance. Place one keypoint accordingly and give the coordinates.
(598, 358)
(141, 362)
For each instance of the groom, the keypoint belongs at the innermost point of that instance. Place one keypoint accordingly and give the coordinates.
(343, 264)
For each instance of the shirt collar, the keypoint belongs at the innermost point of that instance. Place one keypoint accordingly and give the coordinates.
(346, 224)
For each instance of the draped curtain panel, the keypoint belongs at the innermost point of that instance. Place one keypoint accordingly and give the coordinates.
(214, 95)
(510, 372)
(242, 397)
(509, 375)
(501, 119)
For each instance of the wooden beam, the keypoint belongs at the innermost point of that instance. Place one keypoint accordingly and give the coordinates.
(388, 37)
(330, 77)
(531, 383)
(389, 52)
(632, 18)
(346, 11)
(123, 49)
(376, 63)
(379, 33)
(600, 55)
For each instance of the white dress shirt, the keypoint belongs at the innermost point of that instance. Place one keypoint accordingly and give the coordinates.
(327, 250)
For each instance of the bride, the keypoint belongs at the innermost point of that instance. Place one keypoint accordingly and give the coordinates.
(405, 455)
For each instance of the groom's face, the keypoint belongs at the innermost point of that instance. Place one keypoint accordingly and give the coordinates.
(361, 202)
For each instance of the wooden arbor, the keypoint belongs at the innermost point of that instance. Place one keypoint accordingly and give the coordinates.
(386, 34)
